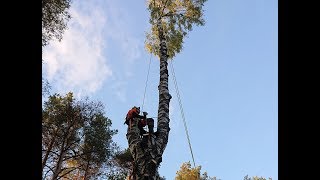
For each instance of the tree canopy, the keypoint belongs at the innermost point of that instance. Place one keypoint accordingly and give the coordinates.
(176, 18)
(76, 137)
(187, 172)
(55, 16)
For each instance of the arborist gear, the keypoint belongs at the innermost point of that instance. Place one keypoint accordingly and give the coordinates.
(134, 113)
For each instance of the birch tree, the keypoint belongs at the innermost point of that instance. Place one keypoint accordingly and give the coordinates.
(170, 20)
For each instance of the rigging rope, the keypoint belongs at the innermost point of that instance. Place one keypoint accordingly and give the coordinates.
(145, 88)
(179, 100)
(181, 110)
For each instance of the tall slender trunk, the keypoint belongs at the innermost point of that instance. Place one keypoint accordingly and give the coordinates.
(62, 153)
(148, 157)
(164, 96)
(44, 161)
(59, 162)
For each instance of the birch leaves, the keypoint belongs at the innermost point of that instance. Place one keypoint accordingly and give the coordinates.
(177, 18)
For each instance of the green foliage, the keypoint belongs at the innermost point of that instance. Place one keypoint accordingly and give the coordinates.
(116, 175)
(45, 87)
(97, 147)
(76, 137)
(177, 18)
(55, 16)
(58, 114)
(124, 159)
(187, 172)
(97, 139)
(121, 165)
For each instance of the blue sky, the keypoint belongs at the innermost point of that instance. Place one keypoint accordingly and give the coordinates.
(227, 75)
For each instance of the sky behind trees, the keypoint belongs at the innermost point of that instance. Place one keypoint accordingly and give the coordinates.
(227, 75)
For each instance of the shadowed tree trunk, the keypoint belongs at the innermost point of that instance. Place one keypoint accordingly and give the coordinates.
(147, 151)
(58, 164)
(61, 154)
(53, 140)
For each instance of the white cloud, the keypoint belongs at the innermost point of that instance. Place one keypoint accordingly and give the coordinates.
(79, 62)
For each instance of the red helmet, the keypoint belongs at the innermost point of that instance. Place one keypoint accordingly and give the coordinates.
(137, 108)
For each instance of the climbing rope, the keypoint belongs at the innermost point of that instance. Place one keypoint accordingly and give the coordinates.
(145, 88)
(179, 100)
(181, 109)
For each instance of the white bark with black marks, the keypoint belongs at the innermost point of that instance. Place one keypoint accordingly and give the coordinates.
(164, 96)
(148, 158)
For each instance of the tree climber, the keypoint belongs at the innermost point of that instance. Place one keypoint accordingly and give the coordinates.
(141, 143)
(134, 112)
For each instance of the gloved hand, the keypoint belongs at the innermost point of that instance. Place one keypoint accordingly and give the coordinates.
(143, 123)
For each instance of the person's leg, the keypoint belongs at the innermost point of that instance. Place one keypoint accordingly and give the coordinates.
(150, 123)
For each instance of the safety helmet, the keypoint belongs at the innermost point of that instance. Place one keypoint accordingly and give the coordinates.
(137, 108)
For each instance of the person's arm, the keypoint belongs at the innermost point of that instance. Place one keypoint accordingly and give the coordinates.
(136, 115)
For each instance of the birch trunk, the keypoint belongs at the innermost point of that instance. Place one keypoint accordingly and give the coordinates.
(147, 151)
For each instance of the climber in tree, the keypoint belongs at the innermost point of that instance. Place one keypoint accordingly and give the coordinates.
(134, 112)
(142, 143)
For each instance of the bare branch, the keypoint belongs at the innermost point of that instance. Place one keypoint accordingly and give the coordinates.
(52, 152)
(50, 169)
(79, 155)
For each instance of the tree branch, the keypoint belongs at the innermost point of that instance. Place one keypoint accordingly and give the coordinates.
(50, 169)
(176, 13)
(164, 6)
(44, 177)
(79, 155)
(66, 148)
(52, 152)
